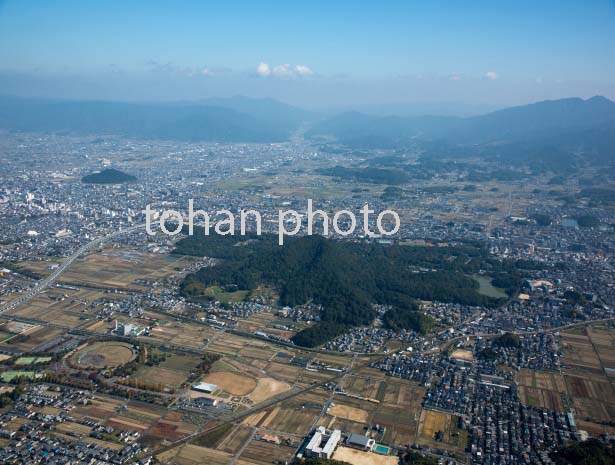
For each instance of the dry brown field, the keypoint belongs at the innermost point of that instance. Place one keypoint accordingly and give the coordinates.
(260, 452)
(357, 457)
(588, 359)
(118, 268)
(235, 440)
(231, 382)
(431, 422)
(189, 454)
(98, 409)
(267, 388)
(349, 413)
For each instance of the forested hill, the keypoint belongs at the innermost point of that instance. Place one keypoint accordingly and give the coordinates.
(108, 176)
(346, 278)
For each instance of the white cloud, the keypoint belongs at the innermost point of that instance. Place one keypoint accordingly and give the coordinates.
(192, 72)
(455, 77)
(491, 75)
(263, 69)
(282, 70)
(303, 70)
(171, 68)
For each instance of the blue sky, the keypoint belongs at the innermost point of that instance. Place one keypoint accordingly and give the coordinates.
(310, 52)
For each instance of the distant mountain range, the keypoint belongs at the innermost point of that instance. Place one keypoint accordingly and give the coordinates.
(237, 119)
(528, 121)
(557, 127)
(553, 129)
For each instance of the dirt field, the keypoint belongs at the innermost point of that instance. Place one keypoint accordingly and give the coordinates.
(190, 454)
(237, 438)
(461, 354)
(431, 422)
(233, 383)
(121, 268)
(98, 409)
(349, 413)
(259, 452)
(357, 457)
(105, 355)
(289, 419)
(266, 388)
(588, 355)
(157, 375)
(579, 352)
(593, 397)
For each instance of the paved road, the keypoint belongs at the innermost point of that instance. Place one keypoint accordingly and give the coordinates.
(45, 282)
(452, 341)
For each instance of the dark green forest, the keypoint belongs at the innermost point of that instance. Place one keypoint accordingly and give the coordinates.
(108, 176)
(344, 277)
(590, 452)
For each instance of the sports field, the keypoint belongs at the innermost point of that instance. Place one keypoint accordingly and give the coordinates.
(105, 355)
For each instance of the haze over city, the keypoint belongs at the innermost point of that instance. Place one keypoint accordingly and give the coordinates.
(469, 56)
(307, 232)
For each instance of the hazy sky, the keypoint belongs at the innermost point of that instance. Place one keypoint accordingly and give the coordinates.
(310, 52)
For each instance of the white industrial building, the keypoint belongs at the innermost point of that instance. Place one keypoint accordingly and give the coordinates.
(205, 387)
(323, 445)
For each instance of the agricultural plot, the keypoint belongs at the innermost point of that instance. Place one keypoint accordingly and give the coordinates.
(169, 428)
(257, 351)
(579, 353)
(67, 307)
(396, 404)
(260, 452)
(593, 398)
(98, 409)
(122, 269)
(437, 429)
(233, 442)
(190, 454)
(603, 341)
(595, 429)
(97, 442)
(31, 338)
(587, 363)
(228, 344)
(400, 423)
(541, 389)
(349, 413)
(40, 268)
(72, 428)
(181, 333)
(284, 372)
(293, 419)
